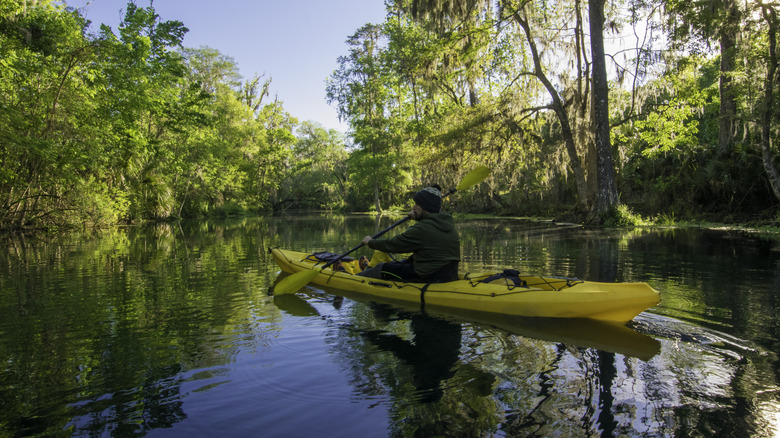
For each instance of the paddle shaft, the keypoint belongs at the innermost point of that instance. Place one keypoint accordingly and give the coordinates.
(397, 223)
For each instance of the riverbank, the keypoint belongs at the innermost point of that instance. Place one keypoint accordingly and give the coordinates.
(624, 218)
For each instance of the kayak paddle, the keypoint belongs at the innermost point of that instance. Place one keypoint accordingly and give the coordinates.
(296, 281)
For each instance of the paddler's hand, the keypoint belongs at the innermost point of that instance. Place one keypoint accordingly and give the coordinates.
(366, 240)
(416, 213)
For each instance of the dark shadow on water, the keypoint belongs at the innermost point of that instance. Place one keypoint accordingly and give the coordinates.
(433, 352)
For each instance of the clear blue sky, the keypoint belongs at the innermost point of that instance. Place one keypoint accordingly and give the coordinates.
(296, 43)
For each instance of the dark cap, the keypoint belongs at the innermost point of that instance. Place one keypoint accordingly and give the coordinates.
(429, 199)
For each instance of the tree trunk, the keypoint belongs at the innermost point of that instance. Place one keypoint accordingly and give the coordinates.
(560, 112)
(606, 194)
(728, 103)
(377, 204)
(769, 103)
(582, 110)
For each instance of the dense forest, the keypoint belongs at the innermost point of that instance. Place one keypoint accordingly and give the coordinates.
(676, 119)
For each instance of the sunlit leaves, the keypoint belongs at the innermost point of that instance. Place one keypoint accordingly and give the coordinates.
(317, 179)
(672, 126)
(118, 125)
(675, 107)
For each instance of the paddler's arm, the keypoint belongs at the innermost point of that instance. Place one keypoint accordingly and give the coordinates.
(370, 238)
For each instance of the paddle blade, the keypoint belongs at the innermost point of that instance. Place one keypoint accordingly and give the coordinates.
(473, 178)
(295, 282)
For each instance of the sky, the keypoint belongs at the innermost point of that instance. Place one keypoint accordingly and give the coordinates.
(294, 42)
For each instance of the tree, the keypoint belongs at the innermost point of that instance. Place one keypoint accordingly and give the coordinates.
(606, 194)
(210, 68)
(140, 97)
(457, 13)
(558, 107)
(694, 24)
(46, 82)
(125, 124)
(319, 177)
(770, 113)
(271, 163)
(359, 90)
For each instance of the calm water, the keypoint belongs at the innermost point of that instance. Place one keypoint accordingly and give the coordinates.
(172, 331)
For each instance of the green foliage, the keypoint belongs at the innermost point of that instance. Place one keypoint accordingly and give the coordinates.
(622, 216)
(318, 180)
(45, 85)
(100, 204)
(126, 125)
(671, 124)
(229, 210)
(666, 220)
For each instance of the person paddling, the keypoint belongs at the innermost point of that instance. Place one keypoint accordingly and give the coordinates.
(433, 241)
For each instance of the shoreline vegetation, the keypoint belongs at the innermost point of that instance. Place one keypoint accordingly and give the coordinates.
(103, 126)
(768, 227)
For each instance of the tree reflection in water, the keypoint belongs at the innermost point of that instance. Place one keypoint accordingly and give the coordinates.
(416, 358)
(170, 328)
(445, 376)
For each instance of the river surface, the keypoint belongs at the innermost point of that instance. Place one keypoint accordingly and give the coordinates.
(172, 330)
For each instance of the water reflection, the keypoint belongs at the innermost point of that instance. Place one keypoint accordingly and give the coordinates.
(447, 375)
(520, 384)
(432, 351)
(169, 329)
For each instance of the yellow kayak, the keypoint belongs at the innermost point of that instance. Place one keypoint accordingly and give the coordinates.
(531, 296)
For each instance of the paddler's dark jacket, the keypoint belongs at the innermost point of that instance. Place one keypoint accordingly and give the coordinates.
(433, 240)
